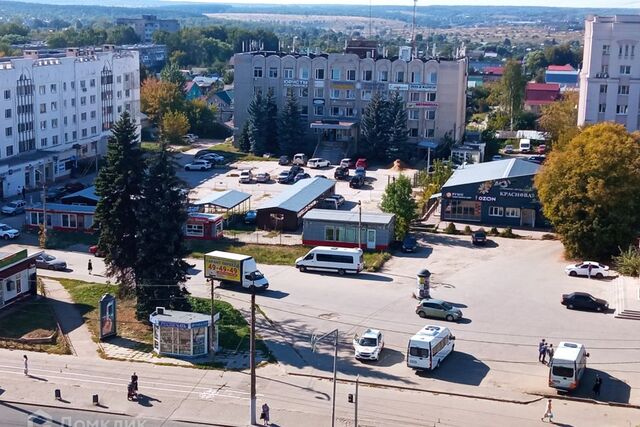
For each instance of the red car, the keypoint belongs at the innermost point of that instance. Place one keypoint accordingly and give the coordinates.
(362, 163)
(96, 251)
(542, 148)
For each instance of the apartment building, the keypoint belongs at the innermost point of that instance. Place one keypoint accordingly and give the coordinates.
(610, 76)
(147, 25)
(334, 89)
(59, 108)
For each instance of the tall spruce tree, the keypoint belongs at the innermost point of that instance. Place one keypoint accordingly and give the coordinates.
(161, 271)
(375, 127)
(291, 132)
(398, 133)
(258, 124)
(171, 73)
(271, 110)
(244, 142)
(118, 185)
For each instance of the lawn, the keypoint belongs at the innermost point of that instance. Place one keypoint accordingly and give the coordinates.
(232, 154)
(64, 239)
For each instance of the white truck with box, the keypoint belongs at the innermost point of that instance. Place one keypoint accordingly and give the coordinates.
(234, 269)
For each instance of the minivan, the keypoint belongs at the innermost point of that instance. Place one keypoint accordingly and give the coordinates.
(567, 366)
(525, 145)
(340, 260)
(300, 159)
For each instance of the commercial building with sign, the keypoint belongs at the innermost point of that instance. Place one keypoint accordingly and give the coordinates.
(333, 90)
(17, 276)
(498, 193)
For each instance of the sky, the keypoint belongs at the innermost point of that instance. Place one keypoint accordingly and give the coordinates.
(564, 3)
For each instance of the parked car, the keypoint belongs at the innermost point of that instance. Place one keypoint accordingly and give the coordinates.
(96, 251)
(14, 208)
(338, 198)
(341, 172)
(192, 136)
(361, 171)
(55, 193)
(318, 162)
(187, 139)
(295, 170)
(245, 177)
(348, 163)
(508, 149)
(285, 177)
(409, 243)
(439, 309)
(300, 176)
(541, 149)
(328, 203)
(250, 217)
(263, 177)
(582, 269)
(198, 165)
(74, 187)
(49, 262)
(357, 181)
(479, 237)
(496, 157)
(362, 163)
(7, 232)
(212, 158)
(369, 345)
(584, 301)
(284, 160)
(300, 159)
(537, 159)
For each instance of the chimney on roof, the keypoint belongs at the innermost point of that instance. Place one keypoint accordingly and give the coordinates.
(72, 51)
(31, 54)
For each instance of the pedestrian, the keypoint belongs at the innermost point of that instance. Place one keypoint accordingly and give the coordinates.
(26, 365)
(550, 352)
(24, 192)
(264, 416)
(596, 386)
(542, 349)
(90, 267)
(548, 414)
(589, 271)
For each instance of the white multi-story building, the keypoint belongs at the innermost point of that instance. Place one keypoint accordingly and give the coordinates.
(59, 109)
(610, 76)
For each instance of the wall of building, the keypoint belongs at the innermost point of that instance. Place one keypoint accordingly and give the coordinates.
(15, 282)
(316, 233)
(63, 221)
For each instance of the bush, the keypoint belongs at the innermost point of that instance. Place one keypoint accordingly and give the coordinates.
(494, 231)
(508, 233)
(549, 236)
(628, 262)
(451, 229)
(467, 230)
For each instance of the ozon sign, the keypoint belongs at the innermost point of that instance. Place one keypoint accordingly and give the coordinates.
(486, 198)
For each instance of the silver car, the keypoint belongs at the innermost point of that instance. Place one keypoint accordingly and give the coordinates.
(14, 208)
(438, 309)
(50, 262)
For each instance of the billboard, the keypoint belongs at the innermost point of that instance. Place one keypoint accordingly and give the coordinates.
(222, 268)
(107, 316)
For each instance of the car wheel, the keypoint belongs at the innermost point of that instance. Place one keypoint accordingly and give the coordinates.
(186, 168)
(573, 274)
(422, 314)
(6, 237)
(599, 276)
(449, 318)
(302, 269)
(570, 306)
(341, 272)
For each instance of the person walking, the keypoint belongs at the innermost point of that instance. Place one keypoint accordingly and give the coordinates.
(264, 416)
(596, 386)
(550, 352)
(24, 193)
(26, 365)
(589, 271)
(542, 350)
(90, 267)
(548, 413)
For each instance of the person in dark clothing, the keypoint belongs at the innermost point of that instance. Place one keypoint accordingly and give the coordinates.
(90, 267)
(596, 386)
(134, 381)
(24, 192)
(542, 351)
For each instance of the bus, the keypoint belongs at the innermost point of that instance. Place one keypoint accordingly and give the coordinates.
(429, 346)
(340, 260)
(567, 366)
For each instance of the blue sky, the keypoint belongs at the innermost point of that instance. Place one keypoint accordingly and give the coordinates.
(565, 3)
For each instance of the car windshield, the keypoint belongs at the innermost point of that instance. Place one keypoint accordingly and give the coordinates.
(368, 342)
(257, 275)
(13, 204)
(48, 257)
(4, 227)
(446, 305)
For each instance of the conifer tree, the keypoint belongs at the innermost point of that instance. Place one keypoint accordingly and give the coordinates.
(375, 127)
(291, 133)
(398, 132)
(244, 142)
(271, 110)
(258, 125)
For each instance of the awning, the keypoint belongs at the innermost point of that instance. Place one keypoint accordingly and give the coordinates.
(428, 144)
(435, 196)
(337, 125)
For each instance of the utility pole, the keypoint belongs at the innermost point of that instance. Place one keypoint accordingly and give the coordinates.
(314, 341)
(356, 401)
(359, 224)
(252, 355)
(213, 315)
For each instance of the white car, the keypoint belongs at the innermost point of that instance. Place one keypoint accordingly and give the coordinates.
(198, 165)
(14, 208)
(582, 269)
(212, 157)
(318, 163)
(7, 232)
(369, 345)
(246, 177)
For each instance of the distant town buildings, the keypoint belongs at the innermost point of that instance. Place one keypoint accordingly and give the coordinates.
(610, 77)
(152, 56)
(58, 108)
(536, 95)
(149, 24)
(565, 75)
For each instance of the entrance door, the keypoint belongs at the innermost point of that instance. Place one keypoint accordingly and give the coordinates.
(528, 218)
(371, 239)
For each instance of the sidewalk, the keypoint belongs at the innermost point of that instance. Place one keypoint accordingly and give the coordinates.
(70, 320)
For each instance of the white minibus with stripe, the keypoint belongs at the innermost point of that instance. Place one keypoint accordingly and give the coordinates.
(567, 366)
(428, 348)
(340, 260)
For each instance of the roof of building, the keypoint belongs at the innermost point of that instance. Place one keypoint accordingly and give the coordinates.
(8, 259)
(184, 317)
(224, 199)
(87, 193)
(61, 207)
(299, 195)
(30, 156)
(567, 67)
(527, 134)
(225, 95)
(498, 71)
(498, 169)
(188, 86)
(204, 81)
(348, 216)
(541, 93)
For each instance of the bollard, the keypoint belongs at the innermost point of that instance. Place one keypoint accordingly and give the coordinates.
(95, 400)
(57, 394)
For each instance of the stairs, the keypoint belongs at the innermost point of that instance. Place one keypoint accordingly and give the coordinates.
(334, 151)
(620, 295)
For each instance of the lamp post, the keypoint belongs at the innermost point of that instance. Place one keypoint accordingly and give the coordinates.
(314, 341)
(252, 352)
(359, 224)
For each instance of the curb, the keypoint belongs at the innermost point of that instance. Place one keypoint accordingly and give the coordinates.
(424, 390)
(585, 400)
(71, 408)
(204, 423)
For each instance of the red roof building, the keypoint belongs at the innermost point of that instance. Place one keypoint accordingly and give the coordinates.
(538, 94)
(567, 67)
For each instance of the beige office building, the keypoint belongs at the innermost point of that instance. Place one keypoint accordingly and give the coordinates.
(610, 77)
(333, 90)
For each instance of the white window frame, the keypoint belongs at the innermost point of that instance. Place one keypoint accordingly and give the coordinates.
(496, 211)
(287, 73)
(195, 230)
(71, 220)
(512, 212)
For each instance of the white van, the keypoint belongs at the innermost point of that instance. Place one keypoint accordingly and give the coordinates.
(429, 347)
(567, 366)
(525, 145)
(342, 260)
(299, 159)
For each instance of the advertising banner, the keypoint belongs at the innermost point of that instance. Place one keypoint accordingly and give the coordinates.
(423, 104)
(419, 87)
(222, 269)
(343, 85)
(398, 86)
(295, 83)
(107, 316)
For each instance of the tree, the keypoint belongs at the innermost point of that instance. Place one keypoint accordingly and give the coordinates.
(161, 271)
(509, 92)
(118, 185)
(271, 112)
(258, 124)
(173, 127)
(398, 133)
(562, 55)
(122, 34)
(202, 117)
(171, 73)
(560, 119)
(397, 200)
(244, 143)
(157, 97)
(291, 132)
(589, 191)
(535, 61)
(375, 127)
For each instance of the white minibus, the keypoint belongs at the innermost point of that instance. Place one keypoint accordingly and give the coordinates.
(429, 347)
(341, 260)
(567, 366)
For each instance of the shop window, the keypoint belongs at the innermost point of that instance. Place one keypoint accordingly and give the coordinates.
(69, 220)
(195, 230)
(496, 211)
(329, 234)
(10, 285)
(463, 209)
(18, 284)
(512, 212)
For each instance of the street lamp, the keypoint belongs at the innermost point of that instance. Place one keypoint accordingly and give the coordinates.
(359, 224)
(252, 351)
(314, 341)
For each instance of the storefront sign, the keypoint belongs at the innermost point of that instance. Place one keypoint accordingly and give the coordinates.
(373, 86)
(12, 259)
(202, 324)
(518, 194)
(486, 198)
(398, 86)
(423, 104)
(107, 316)
(175, 325)
(449, 195)
(222, 269)
(422, 88)
(295, 83)
(342, 85)
(318, 101)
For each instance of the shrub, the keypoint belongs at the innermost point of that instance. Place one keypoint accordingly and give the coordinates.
(549, 236)
(508, 233)
(451, 229)
(628, 262)
(494, 231)
(467, 230)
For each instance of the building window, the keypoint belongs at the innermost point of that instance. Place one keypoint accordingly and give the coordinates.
(383, 76)
(414, 114)
(413, 132)
(366, 95)
(430, 114)
(43, 108)
(351, 75)
(335, 94)
(414, 96)
(257, 72)
(8, 132)
(43, 125)
(53, 88)
(273, 72)
(304, 110)
(621, 109)
(195, 230)
(367, 75)
(9, 151)
(415, 77)
(83, 100)
(54, 106)
(319, 73)
(350, 94)
(336, 111)
(7, 113)
(318, 110)
(604, 69)
(335, 74)
(92, 99)
(304, 73)
(603, 88)
(463, 209)
(73, 102)
(94, 130)
(288, 73)
(318, 92)
(84, 132)
(625, 69)
(400, 77)
(431, 96)
(304, 92)
(93, 114)
(350, 112)
(7, 94)
(69, 220)
(602, 108)
(54, 123)
(83, 117)
(329, 234)
(496, 211)
(606, 49)
(512, 212)
(54, 140)
(43, 142)
(623, 90)
(429, 133)
(42, 89)
(433, 77)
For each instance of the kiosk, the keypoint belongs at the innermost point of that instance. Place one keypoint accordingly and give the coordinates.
(422, 284)
(180, 333)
